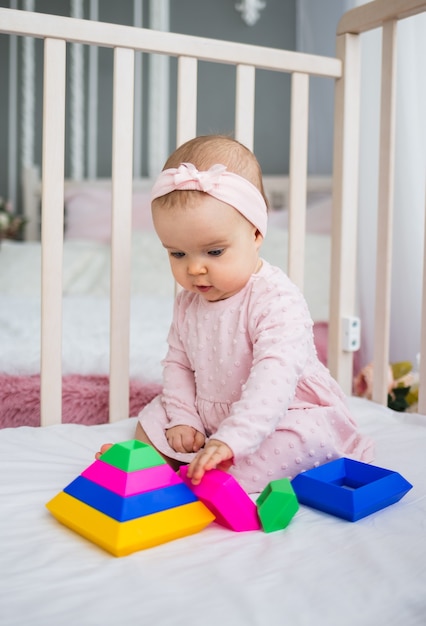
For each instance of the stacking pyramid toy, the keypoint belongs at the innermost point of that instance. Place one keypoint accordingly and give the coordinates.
(129, 500)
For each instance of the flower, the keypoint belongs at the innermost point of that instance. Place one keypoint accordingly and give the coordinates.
(402, 384)
(10, 224)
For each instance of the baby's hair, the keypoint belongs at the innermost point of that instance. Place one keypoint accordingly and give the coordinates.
(207, 150)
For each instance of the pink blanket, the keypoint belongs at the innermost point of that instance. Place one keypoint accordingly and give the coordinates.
(84, 399)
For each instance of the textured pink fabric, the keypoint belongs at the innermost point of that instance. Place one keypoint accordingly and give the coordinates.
(246, 371)
(84, 399)
(217, 182)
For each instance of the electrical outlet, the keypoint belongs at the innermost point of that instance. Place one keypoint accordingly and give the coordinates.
(351, 334)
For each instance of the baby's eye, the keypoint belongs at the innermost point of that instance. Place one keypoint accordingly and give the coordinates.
(217, 252)
(177, 255)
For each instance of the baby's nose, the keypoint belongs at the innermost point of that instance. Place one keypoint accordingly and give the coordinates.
(196, 267)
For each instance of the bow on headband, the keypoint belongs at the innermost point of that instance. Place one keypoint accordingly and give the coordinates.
(205, 180)
(225, 186)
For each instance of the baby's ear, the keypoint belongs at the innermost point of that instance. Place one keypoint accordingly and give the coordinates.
(258, 238)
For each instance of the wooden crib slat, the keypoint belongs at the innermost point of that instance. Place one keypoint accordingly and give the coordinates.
(52, 202)
(122, 168)
(385, 213)
(298, 176)
(186, 99)
(244, 105)
(158, 107)
(345, 206)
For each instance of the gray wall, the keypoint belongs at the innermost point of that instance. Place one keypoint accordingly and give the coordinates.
(279, 26)
(275, 28)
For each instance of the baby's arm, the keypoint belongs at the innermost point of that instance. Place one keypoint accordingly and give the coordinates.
(179, 390)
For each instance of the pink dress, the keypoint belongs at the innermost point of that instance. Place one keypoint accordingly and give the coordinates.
(245, 371)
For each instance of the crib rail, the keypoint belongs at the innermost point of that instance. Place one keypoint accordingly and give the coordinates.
(173, 44)
(374, 14)
(56, 31)
(382, 14)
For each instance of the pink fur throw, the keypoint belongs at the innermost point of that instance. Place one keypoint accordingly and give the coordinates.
(84, 399)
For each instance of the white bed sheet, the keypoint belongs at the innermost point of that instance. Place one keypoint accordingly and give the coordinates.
(321, 570)
(86, 270)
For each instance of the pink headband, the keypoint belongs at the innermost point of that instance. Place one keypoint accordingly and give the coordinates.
(218, 183)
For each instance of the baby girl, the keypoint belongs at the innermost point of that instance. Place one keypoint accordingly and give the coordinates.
(243, 388)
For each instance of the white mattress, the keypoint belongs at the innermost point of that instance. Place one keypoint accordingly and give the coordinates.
(321, 570)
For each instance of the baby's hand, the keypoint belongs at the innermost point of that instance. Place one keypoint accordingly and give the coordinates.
(216, 454)
(184, 438)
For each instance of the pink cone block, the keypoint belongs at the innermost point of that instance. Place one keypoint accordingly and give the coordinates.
(130, 483)
(226, 499)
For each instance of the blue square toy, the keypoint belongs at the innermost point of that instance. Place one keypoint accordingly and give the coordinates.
(349, 489)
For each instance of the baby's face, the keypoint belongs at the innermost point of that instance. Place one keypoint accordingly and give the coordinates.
(213, 250)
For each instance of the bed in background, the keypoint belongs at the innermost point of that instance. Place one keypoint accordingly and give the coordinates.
(321, 569)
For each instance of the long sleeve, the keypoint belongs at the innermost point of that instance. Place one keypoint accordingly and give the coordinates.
(179, 388)
(280, 330)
